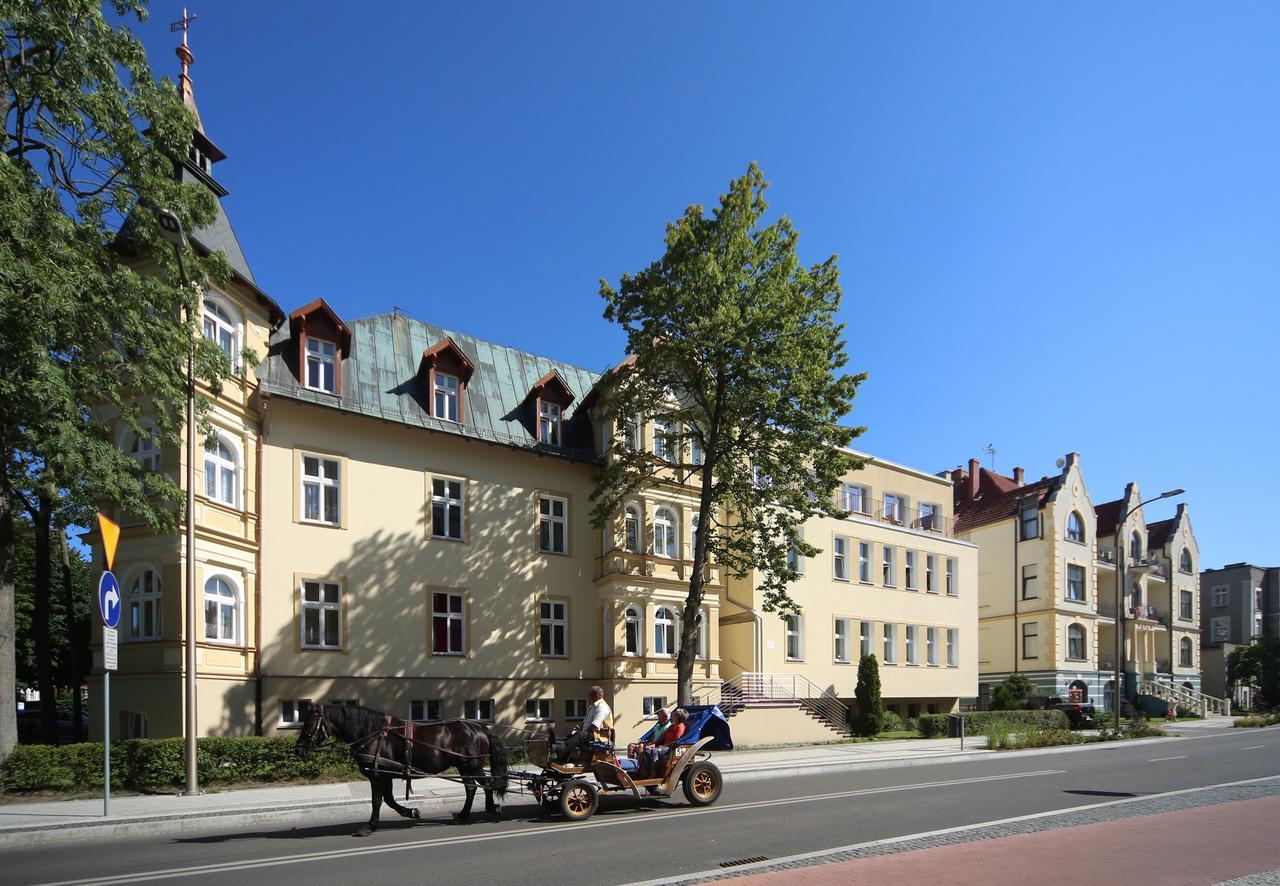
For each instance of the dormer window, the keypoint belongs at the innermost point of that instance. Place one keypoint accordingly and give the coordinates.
(549, 423)
(547, 402)
(446, 370)
(446, 400)
(322, 359)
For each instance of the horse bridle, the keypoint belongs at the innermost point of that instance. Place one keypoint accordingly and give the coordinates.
(320, 735)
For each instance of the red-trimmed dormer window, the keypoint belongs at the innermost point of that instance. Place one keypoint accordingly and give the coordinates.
(447, 371)
(551, 398)
(323, 341)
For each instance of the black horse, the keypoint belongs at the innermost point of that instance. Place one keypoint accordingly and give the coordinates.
(386, 747)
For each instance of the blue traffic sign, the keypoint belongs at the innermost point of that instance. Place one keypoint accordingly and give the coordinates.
(109, 599)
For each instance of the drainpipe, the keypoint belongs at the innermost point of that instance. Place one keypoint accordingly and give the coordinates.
(1017, 587)
(257, 565)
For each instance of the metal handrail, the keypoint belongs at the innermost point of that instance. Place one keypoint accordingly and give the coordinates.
(749, 687)
(1206, 704)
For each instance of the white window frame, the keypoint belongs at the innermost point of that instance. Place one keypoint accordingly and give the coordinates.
(1028, 523)
(575, 709)
(220, 468)
(1186, 653)
(651, 704)
(1221, 597)
(866, 637)
(233, 600)
(840, 638)
(864, 562)
(931, 573)
(478, 709)
(794, 560)
(553, 614)
(696, 455)
(538, 710)
(889, 566)
(1185, 558)
(953, 647)
(853, 498)
(323, 485)
(323, 609)
(890, 645)
(448, 616)
(549, 418)
(219, 317)
(666, 533)
(446, 397)
(913, 645)
(1190, 600)
(665, 640)
(632, 529)
(1033, 635)
(424, 710)
(292, 712)
(548, 520)
(909, 561)
(1075, 527)
(929, 513)
(793, 633)
(632, 618)
(893, 507)
(141, 598)
(839, 558)
(1074, 629)
(143, 446)
(953, 588)
(450, 506)
(323, 357)
(665, 444)
(931, 647)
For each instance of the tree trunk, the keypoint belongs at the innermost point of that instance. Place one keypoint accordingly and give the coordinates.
(8, 660)
(44, 667)
(693, 602)
(73, 642)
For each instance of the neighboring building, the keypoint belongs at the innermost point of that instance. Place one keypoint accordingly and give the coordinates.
(1237, 603)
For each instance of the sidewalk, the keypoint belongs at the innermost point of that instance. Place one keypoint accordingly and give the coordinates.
(51, 821)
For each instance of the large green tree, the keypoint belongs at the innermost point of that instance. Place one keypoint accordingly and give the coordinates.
(1258, 666)
(87, 341)
(735, 344)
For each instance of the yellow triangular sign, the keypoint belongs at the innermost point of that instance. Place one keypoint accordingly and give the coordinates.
(110, 538)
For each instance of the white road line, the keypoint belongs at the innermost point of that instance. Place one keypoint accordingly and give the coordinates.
(536, 833)
(1159, 759)
(809, 856)
(1253, 747)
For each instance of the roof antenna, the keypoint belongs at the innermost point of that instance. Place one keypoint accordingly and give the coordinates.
(991, 451)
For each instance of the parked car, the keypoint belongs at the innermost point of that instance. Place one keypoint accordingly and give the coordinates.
(1080, 715)
(31, 726)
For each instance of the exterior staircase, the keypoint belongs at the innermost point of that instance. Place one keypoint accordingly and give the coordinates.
(1187, 699)
(757, 690)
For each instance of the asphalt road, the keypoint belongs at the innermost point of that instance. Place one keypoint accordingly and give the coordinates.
(626, 841)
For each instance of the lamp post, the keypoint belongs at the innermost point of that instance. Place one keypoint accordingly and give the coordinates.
(1120, 563)
(171, 228)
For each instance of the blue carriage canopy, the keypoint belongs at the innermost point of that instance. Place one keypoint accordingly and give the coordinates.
(703, 720)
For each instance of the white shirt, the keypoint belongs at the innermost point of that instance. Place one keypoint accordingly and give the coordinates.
(597, 713)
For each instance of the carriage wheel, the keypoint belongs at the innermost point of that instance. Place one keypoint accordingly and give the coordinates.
(578, 800)
(702, 783)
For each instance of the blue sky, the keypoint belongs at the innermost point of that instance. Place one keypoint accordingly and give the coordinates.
(1057, 223)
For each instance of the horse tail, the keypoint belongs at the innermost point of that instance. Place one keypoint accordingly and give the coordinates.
(497, 764)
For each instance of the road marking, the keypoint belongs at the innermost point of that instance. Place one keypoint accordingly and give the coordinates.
(1253, 747)
(1159, 759)
(536, 833)
(746, 869)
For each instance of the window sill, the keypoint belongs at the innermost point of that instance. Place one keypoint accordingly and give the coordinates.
(457, 541)
(320, 390)
(288, 725)
(220, 504)
(839, 579)
(132, 640)
(795, 660)
(554, 553)
(1073, 600)
(841, 661)
(322, 649)
(1076, 541)
(322, 524)
(547, 655)
(541, 720)
(435, 654)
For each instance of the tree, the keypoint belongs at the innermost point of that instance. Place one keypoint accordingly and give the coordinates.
(1258, 665)
(735, 344)
(1010, 695)
(89, 341)
(870, 714)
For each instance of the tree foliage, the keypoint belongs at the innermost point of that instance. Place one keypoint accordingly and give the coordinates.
(870, 713)
(83, 612)
(1012, 693)
(1258, 666)
(735, 343)
(87, 342)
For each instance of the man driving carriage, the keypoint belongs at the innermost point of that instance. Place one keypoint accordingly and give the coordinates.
(597, 720)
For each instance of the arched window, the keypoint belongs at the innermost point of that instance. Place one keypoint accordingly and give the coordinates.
(1184, 562)
(221, 610)
(222, 473)
(633, 537)
(1075, 527)
(1135, 547)
(220, 328)
(633, 631)
(700, 637)
(1184, 653)
(664, 632)
(665, 525)
(143, 446)
(1075, 642)
(143, 606)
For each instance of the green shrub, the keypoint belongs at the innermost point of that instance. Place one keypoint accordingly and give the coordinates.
(976, 722)
(868, 719)
(1010, 695)
(1257, 720)
(890, 722)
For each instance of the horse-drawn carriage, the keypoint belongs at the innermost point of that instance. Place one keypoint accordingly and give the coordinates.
(387, 748)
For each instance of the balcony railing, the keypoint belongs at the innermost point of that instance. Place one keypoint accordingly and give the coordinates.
(1107, 555)
(898, 514)
(622, 562)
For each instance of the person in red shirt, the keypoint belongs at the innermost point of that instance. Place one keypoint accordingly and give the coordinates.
(657, 755)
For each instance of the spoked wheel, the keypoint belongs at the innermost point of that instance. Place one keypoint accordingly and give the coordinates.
(702, 783)
(578, 800)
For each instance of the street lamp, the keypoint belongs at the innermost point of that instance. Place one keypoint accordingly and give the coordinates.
(171, 229)
(1120, 563)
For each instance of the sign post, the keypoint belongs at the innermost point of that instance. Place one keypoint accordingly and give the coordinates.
(109, 604)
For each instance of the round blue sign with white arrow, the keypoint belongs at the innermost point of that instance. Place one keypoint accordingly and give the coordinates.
(109, 599)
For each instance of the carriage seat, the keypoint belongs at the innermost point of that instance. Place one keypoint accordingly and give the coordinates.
(628, 765)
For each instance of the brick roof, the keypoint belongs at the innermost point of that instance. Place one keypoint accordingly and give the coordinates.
(1108, 514)
(998, 498)
(1158, 534)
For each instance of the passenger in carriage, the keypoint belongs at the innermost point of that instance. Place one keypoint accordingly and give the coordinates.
(655, 756)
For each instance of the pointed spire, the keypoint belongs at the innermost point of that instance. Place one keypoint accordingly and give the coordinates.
(185, 56)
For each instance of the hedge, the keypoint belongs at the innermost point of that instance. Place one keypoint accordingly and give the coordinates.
(148, 764)
(976, 722)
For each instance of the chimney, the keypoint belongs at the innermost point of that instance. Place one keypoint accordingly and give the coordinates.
(974, 467)
(1017, 476)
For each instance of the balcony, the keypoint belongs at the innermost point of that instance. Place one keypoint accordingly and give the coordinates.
(897, 514)
(621, 562)
(1106, 556)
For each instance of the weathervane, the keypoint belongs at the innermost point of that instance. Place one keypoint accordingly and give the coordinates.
(183, 52)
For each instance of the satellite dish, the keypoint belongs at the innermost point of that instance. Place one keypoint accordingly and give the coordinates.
(1061, 462)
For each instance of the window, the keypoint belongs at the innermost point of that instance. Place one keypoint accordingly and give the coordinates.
(853, 498)
(1029, 521)
(221, 610)
(913, 645)
(446, 508)
(1185, 602)
(1075, 527)
(1030, 640)
(890, 644)
(143, 604)
(930, 573)
(864, 638)
(1184, 652)
(448, 624)
(693, 544)
(664, 440)
(549, 422)
(631, 529)
(794, 561)
(143, 447)
(1135, 595)
(695, 447)
(795, 639)
(1075, 583)
(322, 360)
(446, 397)
(553, 628)
(424, 710)
(839, 568)
(1221, 629)
(537, 710)
(700, 638)
(664, 632)
(321, 486)
(1219, 597)
(1184, 562)
(221, 473)
(841, 640)
(293, 711)
(220, 329)
(1075, 642)
(575, 709)
(652, 704)
(321, 602)
(931, 646)
(953, 589)
(633, 630)
(910, 569)
(892, 508)
(552, 524)
(864, 562)
(928, 516)
(1135, 547)
(953, 647)
(478, 709)
(631, 434)
(1029, 588)
(664, 533)
(889, 570)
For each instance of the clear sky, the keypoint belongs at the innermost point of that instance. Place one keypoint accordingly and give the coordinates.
(1057, 223)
